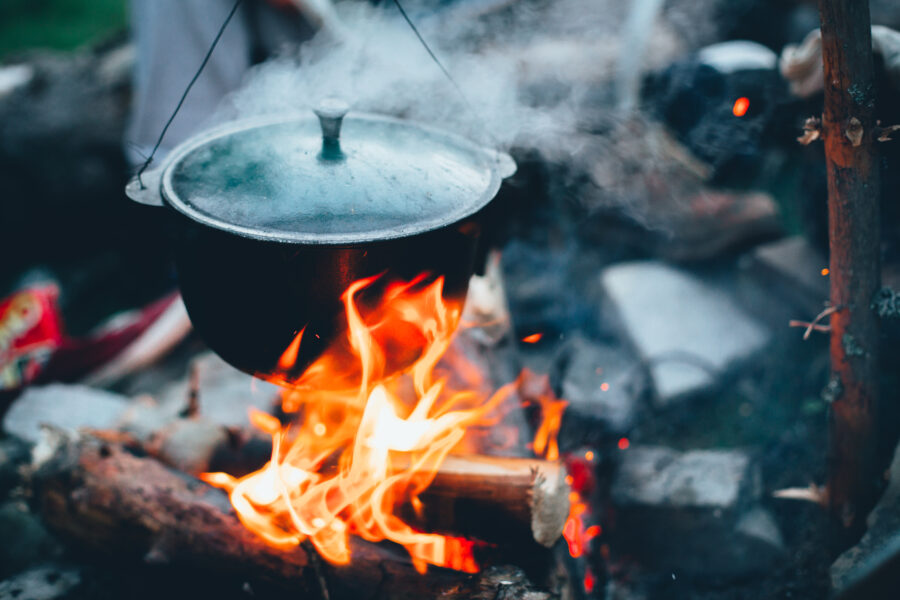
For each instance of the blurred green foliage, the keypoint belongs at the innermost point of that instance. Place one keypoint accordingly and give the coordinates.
(58, 24)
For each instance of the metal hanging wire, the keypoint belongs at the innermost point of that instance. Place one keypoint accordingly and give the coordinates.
(456, 86)
(187, 91)
(218, 37)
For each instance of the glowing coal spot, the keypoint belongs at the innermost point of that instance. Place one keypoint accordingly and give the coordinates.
(741, 106)
(589, 581)
(534, 338)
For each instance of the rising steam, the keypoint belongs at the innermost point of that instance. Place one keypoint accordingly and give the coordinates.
(538, 75)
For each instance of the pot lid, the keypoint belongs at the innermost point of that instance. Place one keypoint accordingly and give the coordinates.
(331, 180)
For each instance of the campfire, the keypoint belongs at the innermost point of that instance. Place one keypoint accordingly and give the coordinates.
(396, 436)
(367, 435)
(457, 299)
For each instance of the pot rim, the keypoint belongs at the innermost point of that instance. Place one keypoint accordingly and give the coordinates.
(500, 164)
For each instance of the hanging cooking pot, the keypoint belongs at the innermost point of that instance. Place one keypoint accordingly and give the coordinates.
(273, 218)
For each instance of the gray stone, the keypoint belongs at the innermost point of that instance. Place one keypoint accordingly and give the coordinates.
(188, 443)
(68, 120)
(47, 582)
(792, 269)
(25, 539)
(69, 407)
(12, 77)
(13, 454)
(657, 476)
(225, 394)
(885, 12)
(689, 332)
(603, 384)
(873, 563)
(759, 524)
(694, 511)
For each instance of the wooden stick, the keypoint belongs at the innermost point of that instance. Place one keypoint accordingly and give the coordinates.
(493, 499)
(499, 499)
(100, 497)
(854, 236)
(105, 499)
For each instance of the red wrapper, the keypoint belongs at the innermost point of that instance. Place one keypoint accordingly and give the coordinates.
(30, 331)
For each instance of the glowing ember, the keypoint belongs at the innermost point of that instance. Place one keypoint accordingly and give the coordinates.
(369, 437)
(534, 338)
(624, 443)
(289, 358)
(825, 272)
(576, 532)
(741, 106)
(589, 582)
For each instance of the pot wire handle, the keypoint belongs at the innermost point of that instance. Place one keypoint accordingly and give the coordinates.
(331, 112)
(187, 91)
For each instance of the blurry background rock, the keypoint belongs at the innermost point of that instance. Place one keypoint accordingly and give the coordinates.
(62, 169)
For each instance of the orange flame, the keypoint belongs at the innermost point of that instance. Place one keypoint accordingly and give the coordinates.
(545, 438)
(369, 437)
(578, 532)
(289, 358)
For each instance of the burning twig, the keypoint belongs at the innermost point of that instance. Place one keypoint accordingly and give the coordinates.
(814, 325)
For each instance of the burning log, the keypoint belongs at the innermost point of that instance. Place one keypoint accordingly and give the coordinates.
(499, 499)
(103, 498)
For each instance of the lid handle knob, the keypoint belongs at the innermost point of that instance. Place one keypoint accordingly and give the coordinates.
(331, 113)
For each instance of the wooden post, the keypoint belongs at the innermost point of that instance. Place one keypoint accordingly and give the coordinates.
(855, 271)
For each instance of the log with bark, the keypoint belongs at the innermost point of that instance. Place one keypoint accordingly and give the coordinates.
(100, 497)
(848, 123)
(498, 499)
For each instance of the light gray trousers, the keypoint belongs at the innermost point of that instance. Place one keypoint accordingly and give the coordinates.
(171, 38)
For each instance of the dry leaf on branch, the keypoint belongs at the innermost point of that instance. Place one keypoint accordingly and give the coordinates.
(812, 131)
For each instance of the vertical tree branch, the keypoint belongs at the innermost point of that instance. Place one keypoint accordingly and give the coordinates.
(854, 236)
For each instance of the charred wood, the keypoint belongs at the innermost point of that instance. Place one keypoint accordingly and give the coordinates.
(99, 497)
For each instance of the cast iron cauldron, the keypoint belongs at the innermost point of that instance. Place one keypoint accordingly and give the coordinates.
(273, 218)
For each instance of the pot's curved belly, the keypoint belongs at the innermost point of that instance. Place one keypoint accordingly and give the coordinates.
(248, 299)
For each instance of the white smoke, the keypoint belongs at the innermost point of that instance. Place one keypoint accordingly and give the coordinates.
(538, 75)
(500, 61)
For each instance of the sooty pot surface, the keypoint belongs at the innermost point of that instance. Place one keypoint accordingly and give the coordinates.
(273, 219)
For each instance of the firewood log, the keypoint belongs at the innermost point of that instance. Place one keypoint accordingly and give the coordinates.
(493, 498)
(100, 497)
